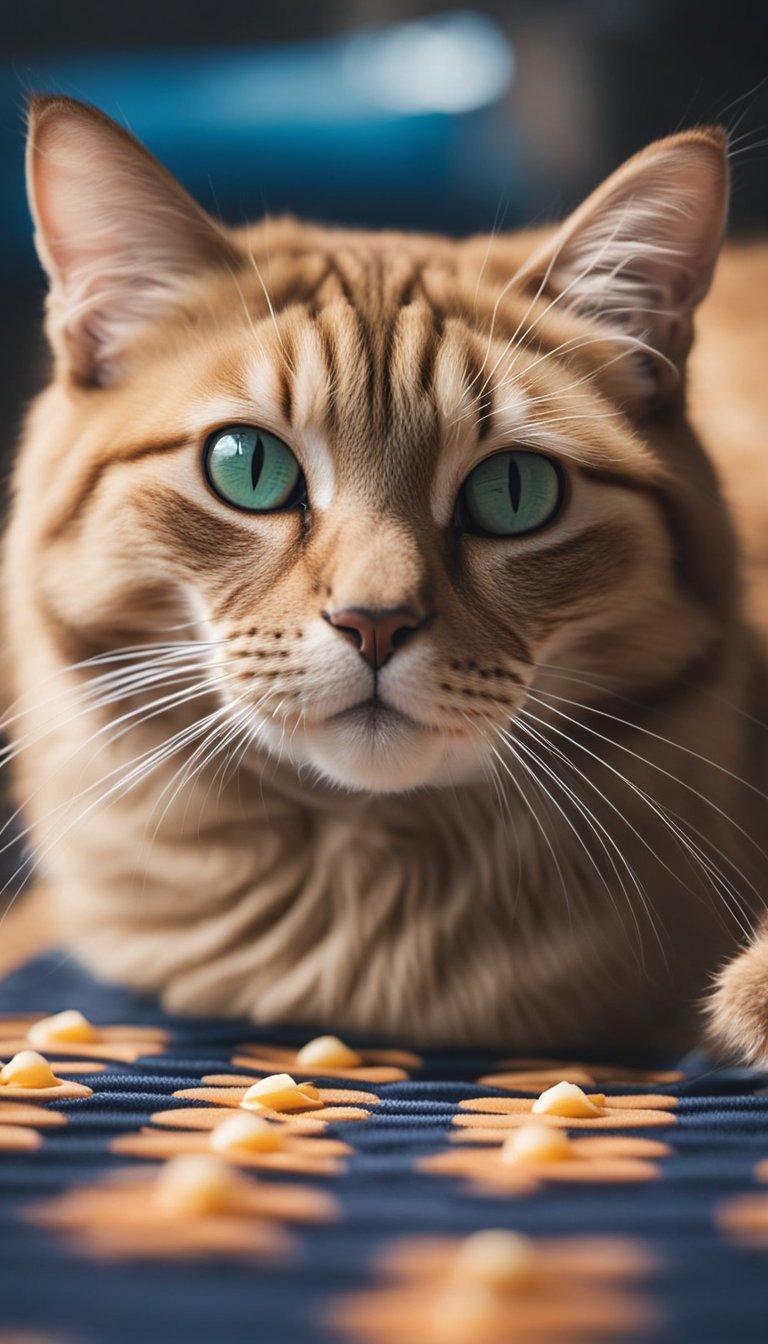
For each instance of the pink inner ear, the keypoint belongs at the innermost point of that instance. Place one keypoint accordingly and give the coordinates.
(639, 253)
(116, 233)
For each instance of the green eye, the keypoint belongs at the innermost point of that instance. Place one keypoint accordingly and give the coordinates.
(253, 470)
(510, 494)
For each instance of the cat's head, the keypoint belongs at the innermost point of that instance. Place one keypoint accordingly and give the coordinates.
(395, 480)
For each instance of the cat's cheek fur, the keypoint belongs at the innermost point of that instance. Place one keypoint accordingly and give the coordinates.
(738, 1009)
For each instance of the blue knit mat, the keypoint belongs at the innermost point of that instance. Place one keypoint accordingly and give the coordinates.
(706, 1281)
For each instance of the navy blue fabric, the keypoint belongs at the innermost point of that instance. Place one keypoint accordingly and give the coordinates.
(708, 1290)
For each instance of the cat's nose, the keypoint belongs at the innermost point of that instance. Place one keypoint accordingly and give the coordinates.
(377, 632)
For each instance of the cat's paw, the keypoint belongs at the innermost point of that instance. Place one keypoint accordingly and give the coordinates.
(738, 1008)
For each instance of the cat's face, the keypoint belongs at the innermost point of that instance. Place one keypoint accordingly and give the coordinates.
(393, 480)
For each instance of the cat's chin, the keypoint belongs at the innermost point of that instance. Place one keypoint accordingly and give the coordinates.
(376, 749)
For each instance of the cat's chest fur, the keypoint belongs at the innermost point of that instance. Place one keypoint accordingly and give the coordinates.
(442, 915)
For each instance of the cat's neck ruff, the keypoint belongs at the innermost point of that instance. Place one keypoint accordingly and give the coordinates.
(472, 913)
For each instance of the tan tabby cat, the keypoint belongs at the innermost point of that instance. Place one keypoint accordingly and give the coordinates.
(373, 610)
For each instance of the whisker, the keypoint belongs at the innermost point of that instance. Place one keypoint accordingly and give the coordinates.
(126, 723)
(532, 811)
(655, 807)
(189, 770)
(600, 831)
(562, 294)
(684, 841)
(170, 678)
(129, 774)
(688, 751)
(168, 653)
(561, 237)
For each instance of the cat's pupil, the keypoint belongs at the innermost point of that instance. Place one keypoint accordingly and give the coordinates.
(514, 484)
(511, 493)
(257, 462)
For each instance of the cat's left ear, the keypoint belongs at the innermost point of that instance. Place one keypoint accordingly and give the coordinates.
(117, 234)
(639, 253)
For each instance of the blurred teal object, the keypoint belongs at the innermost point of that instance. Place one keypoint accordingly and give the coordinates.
(403, 127)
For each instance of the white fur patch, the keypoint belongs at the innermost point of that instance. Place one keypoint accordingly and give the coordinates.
(511, 413)
(262, 387)
(309, 382)
(319, 469)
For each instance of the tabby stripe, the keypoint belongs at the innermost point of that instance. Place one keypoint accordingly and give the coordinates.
(328, 347)
(606, 476)
(335, 266)
(429, 354)
(413, 283)
(485, 413)
(687, 570)
(93, 477)
(380, 337)
(574, 561)
(695, 675)
(476, 380)
(369, 352)
(285, 391)
(310, 297)
(473, 365)
(388, 344)
(198, 533)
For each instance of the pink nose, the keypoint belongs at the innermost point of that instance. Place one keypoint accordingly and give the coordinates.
(376, 632)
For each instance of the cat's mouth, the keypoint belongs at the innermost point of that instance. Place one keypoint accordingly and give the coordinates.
(375, 747)
(375, 713)
(372, 714)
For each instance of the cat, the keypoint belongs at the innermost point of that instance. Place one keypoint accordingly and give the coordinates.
(375, 619)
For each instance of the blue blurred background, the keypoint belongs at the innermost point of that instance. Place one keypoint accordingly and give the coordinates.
(421, 115)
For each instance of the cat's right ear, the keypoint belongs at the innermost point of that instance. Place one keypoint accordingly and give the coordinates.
(638, 255)
(117, 234)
